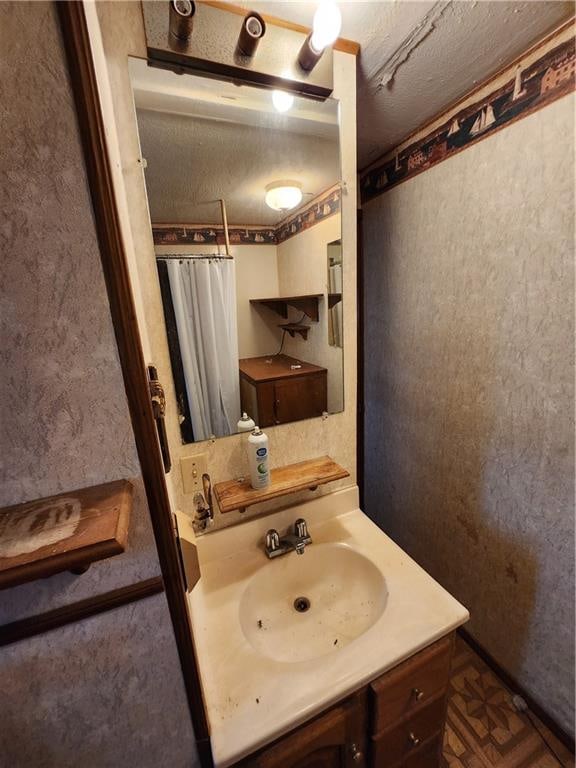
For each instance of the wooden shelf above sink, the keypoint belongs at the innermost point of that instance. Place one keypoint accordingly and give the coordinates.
(239, 494)
(67, 532)
(279, 304)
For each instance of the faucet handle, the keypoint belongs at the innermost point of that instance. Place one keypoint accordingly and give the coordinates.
(300, 528)
(272, 540)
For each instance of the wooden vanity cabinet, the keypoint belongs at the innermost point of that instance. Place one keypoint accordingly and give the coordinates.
(408, 709)
(272, 391)
(335, 739)
(397, 721)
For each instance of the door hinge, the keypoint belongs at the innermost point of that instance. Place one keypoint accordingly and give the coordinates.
(158, 400)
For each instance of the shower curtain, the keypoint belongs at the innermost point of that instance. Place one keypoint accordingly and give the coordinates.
(204, 298)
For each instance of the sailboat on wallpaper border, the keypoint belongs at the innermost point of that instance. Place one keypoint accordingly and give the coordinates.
(485, 120)
(454, 127)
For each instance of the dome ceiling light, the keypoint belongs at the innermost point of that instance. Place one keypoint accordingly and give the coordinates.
(283, 195)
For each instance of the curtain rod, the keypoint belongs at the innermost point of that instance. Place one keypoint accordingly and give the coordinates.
(193, 256)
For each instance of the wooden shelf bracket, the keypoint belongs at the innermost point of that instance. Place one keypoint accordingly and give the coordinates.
(294, 328)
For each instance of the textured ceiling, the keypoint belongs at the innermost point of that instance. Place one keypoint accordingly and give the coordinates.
(191, 163)
(419, 57)
(204, 140)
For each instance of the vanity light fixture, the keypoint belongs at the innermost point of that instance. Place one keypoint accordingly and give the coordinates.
(182, 19)
(325, 30)
(253, 30)
(282, 100)
(283, 195)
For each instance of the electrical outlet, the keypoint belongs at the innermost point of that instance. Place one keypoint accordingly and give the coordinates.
(192, 468)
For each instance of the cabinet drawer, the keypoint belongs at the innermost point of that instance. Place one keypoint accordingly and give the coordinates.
(413, 683)
(428, 756)
(406, 739)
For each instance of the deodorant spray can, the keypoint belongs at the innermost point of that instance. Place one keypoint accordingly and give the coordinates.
(258, 459)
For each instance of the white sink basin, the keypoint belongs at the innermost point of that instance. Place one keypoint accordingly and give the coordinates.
(346, 592)
(260, 682)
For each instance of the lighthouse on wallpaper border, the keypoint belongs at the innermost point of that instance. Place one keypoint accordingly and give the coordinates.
(518, 91)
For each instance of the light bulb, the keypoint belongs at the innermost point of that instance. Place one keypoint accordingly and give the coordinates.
(326, 25)
(282, 100)
(283, 195)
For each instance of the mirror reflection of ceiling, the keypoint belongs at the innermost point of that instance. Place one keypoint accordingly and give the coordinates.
(203, 139)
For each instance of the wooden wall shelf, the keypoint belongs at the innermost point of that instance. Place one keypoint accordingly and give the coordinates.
(279, 304)
(239, 494)
(67, 532)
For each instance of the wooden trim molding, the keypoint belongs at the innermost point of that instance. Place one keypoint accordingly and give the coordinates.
(83, 609)
(85, 89)
(342, 44)
(515, 687)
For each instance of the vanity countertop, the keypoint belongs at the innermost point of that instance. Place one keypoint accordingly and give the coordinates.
(252, 698)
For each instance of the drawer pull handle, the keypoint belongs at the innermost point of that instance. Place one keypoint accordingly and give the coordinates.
(418, 694)
(414, 740)
(357, 755)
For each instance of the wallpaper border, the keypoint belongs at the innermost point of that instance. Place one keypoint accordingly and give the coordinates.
(324, 205)
(531, 87)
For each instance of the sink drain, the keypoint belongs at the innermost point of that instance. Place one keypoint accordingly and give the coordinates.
(301, 604)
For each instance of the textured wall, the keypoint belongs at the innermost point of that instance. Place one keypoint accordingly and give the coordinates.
(469, 389)
(122, 34)
(97, 694)
(65, 424)
(63, 410)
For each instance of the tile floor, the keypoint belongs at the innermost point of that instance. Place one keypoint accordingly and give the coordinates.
(484, 730)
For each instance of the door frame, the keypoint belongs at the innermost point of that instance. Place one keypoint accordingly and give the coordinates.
(116, 273)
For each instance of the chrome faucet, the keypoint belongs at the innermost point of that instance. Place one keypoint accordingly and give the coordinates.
(204, 511)
(296, 541)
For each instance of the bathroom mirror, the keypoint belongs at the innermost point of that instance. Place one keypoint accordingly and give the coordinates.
(244, 197)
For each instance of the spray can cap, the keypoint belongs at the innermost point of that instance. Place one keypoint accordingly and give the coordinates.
(257, 431)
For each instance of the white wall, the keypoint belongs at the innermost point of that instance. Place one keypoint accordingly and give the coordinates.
(256, 278)
(303, 269)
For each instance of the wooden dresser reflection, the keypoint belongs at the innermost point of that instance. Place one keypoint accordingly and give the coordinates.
(278, 389)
